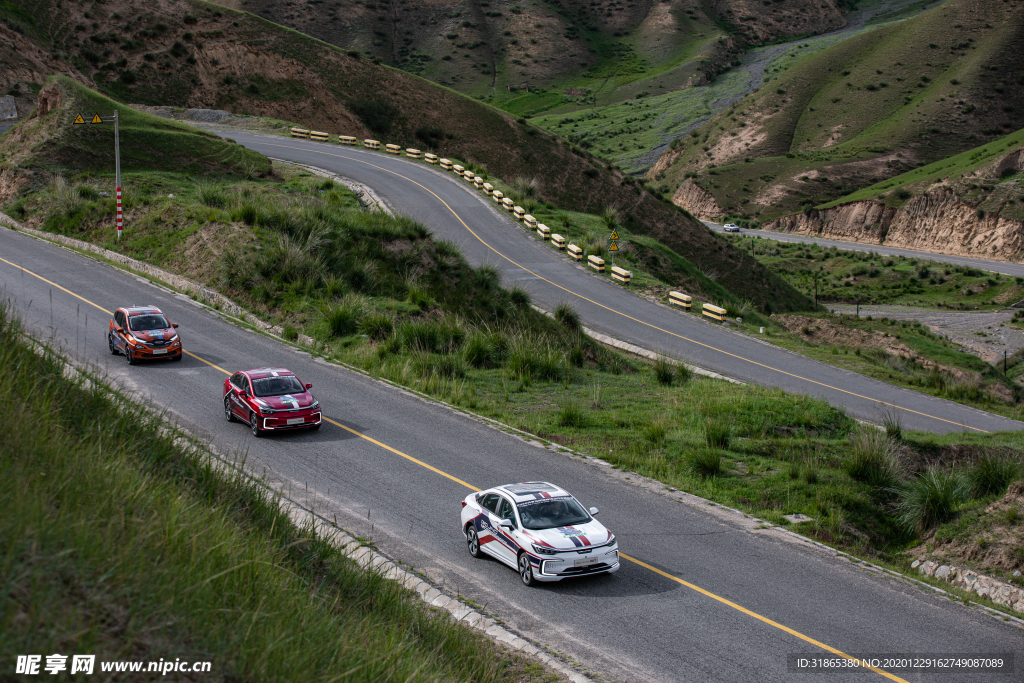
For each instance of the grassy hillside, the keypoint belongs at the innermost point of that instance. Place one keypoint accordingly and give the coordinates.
(987, 176)
(190, 54)
(862, 111)
(51, 142)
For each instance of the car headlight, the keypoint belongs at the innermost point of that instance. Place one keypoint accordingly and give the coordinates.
(314, 404)
(611, 538)
(541, 550)
(267, 411)
(174, 338)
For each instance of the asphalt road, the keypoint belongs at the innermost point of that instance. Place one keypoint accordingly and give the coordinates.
(706, 597)
(1004, 267)
(452, 210)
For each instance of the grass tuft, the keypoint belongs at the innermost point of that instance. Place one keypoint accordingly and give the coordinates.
(706, 462)
(872, 459)
(992, 473)
(930, 499)
(717, 433)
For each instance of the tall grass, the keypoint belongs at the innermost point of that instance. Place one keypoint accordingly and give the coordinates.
(114, 536)
(872, 458)
(992, 473)
(705, 461)
(930, 499)
(64, 196)
(567, 316)
(717, 433)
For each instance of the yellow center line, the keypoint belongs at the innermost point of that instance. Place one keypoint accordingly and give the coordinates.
(625, 315)
(689, 585)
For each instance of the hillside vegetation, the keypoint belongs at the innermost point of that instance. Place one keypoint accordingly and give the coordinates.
(188, 54)
(857, 113)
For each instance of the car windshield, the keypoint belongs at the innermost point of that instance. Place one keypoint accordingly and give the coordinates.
(148, 321)
(276, 386)
(549, 513)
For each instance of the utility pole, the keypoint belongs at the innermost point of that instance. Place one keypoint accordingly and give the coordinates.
(117, 173)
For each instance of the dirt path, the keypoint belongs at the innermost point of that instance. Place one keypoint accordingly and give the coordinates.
(986, 334)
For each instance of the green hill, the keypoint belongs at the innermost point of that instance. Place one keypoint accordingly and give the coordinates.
(189, 53)
(860, 112)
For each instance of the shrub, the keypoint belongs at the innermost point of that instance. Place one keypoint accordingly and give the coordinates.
(479, 351)
(519, 297)
(664, 371)
(342, 319)
(893, 423)
(549, 364)
(289, 332)
(567, 316)
(65, 198)
(706, 462)
(418, 335)
(717, 433)
(930, 499)
(572, 415)
(378, 326)
(992, 473)
(872, 459)
(378, 115)
(211, 196)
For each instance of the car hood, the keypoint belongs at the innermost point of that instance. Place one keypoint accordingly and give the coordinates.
(155, 335)
(286, 402)
(586, 535)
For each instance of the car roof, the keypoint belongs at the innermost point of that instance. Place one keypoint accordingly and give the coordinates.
(135, 309)
(259, 373)
(532, 490)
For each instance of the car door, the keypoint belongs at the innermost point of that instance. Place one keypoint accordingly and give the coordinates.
(487, 524)
(507, 549)
(120, 322)
(239, 383)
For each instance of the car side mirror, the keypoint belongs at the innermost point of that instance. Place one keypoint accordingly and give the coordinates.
(506, 524)
(120, 330)
(594, 511)
(309, 386)
(174, 325)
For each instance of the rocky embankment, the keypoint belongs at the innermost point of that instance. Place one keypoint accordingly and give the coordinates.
(936, 221)
(697, 201)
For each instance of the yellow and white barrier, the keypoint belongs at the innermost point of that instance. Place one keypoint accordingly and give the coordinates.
(557, 241)
(488, 189)
(530, 221)
(412, 153)
(468, 175)
(319, 135)
(575, 252)
(507, 204)
(458, 170)
(346, 140)
(544, 232)
(430, 158)
(596, 262)
(621, 275)
(446, 165)
(299, 133)
(499, 198)
(371, 144)
(713, 312)
(683, 301)
(478, 182)
(393, 149)
(519, 212)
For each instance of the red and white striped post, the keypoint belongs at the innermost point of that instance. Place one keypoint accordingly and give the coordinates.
(117, 170)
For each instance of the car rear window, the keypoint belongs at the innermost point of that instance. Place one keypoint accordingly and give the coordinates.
(550, 513)
(147, 321)
(277, 386)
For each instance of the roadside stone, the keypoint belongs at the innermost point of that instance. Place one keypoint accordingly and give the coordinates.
(1016, 573)
(942, 572)
(431, 595)
(459, 611)
(473, 618)
(915, 564)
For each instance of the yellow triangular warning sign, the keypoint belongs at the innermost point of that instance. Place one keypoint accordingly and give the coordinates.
(96, 119)
(79, 119)
(614, 247)
(615, 234)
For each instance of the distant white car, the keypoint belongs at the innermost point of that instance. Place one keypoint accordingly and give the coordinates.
(540, 530)
(731, 227)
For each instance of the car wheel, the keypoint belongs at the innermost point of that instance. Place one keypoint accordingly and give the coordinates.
(473, 541)
(128, 355)
(228, 413)
(526, 570)
(254, 425)
(110, 345)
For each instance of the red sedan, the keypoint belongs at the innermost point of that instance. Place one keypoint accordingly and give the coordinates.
(270, 400)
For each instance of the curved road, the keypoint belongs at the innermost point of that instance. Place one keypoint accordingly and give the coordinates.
(1004, 267)
(705, 595)
(454, 211)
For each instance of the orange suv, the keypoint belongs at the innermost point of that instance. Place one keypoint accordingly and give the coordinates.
(143, 333)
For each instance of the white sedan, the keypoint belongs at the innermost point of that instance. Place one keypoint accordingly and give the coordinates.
(731, 227)
(540, 530)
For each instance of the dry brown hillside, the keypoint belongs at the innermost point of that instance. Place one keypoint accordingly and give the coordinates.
(761, 20)
(192, 54)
